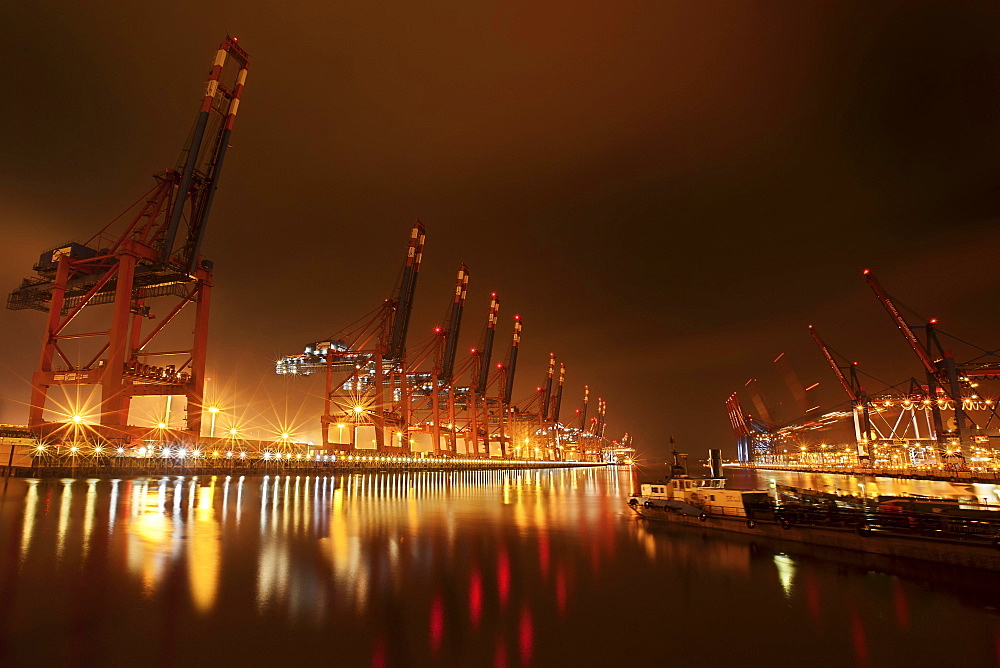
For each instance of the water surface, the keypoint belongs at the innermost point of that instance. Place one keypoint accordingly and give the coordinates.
(471, 568)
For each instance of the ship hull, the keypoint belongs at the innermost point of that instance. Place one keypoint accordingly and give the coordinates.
(985, 556)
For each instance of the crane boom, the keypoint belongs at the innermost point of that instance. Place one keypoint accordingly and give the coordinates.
(925, 358)
(454, 325)
(547, 396)
(515, 342)
(837, 371)
(559, 393)
(407, 288)
(486, 354)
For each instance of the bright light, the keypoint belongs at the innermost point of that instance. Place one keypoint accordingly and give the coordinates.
(120, 450)
(213, 409)
(285, 435)
(161, 425)
(359, 409)
(74, 449)
(77, 419)
(232, 432)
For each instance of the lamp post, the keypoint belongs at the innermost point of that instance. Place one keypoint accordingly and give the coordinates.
(214, 410)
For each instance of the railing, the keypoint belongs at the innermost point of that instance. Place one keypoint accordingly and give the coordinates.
(979, 529)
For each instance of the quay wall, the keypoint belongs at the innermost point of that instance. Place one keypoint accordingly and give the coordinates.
(259, 468)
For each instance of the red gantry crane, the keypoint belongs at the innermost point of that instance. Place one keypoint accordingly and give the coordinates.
(856, 393)
(372, 352)
(150, 251)
(941, 371)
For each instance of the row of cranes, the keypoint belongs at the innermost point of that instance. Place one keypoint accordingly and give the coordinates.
(381, 394)
(392, 397)
(940, 419)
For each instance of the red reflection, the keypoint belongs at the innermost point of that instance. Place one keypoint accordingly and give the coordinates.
(503, 576)
(526, 635)
(859, 639)
(475, 598)
(378, 654)
(437, 623)
(812, 597)
(901, 605)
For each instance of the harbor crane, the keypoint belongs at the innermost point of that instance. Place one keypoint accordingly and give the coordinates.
(372, 352)
(856, 393)
(152, 250)
(944, 375)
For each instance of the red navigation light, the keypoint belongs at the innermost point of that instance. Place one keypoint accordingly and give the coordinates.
(437, 330)
(473, 351)
(933, 321)
(866, 272)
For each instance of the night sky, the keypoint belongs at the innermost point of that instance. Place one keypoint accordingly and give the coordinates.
(667, 192)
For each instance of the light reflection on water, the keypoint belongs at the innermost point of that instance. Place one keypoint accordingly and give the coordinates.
(472, 568)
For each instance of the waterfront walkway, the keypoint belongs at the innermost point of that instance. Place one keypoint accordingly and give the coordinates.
(112, 466)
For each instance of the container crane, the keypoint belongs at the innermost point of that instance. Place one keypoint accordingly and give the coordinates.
(856, 393)
(477, 389)
(444, 370)
(508, 370)
(941, 372)
(372, 351)
(557, 404)
(152, 250)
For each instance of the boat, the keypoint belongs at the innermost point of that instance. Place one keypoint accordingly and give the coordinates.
(942, 531)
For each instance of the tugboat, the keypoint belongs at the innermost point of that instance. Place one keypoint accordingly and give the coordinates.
(698, 497)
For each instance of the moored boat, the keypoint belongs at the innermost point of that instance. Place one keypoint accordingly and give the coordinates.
(938, 530)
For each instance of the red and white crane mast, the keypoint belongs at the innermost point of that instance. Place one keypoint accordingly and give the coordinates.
(146, 258)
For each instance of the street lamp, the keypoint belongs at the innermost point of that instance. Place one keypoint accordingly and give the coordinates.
(214, 410)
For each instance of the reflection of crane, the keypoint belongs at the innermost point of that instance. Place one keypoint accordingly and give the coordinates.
(856, 393)
(149, 251)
